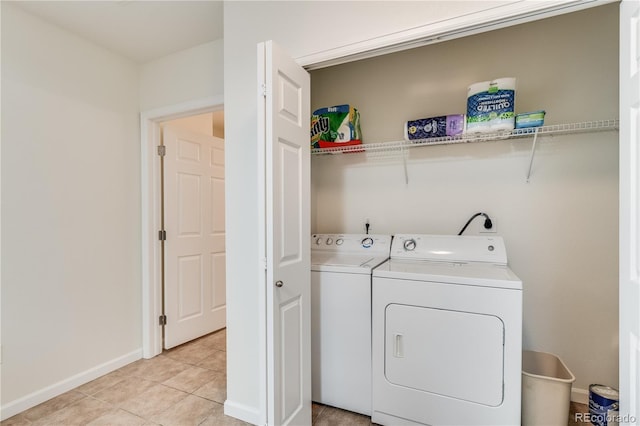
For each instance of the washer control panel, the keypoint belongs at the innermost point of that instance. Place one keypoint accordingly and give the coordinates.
(351, 243)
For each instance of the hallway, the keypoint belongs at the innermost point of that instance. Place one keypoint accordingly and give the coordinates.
(184, 386)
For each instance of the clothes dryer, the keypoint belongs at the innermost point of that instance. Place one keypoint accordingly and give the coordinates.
(341, 266)
(447, 333)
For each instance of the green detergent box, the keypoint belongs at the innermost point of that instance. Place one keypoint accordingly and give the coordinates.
(335, 126)
(530, 119)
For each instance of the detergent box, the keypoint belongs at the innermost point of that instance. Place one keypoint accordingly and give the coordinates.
(530, 119)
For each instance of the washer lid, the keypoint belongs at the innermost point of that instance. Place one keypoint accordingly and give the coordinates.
(348, 263)
(464, 273)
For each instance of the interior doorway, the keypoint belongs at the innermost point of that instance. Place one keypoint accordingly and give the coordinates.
(151, 125)
(192, 236)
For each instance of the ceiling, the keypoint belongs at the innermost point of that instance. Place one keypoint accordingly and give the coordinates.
(137, 29)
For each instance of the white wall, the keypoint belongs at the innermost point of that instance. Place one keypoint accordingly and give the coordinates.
(184, 76)
(300, 28)
(70, 210)
(71, 199)
(561, 229)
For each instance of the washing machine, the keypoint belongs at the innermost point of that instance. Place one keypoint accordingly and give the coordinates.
(447, 333)
(341, 266)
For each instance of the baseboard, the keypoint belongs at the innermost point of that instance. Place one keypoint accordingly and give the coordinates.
(21, 404)
(242, 412)
(580, 396)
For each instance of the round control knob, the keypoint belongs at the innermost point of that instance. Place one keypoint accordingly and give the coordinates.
(318, 241)
(329, 241)
(367, 242)
(410, 245)
(339, 241)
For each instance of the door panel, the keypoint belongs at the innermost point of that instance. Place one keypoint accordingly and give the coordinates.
(190, 283)
(291, 373)
(194, 249)
(189, 205)
(289, 214)
(217, 199)
(218, 272)
(286, 113)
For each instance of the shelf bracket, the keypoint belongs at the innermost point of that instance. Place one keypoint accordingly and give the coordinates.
(533, 152)
(404, 163)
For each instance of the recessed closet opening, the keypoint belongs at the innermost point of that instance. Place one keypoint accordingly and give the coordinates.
(560, 227)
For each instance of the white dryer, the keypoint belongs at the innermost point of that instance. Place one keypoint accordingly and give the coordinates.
(447, 333)
(341, 266)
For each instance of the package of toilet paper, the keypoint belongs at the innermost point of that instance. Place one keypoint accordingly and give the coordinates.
(491, 105)
(335, 126)
(434, 127)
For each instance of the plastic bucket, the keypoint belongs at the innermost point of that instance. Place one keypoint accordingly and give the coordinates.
(546, 389)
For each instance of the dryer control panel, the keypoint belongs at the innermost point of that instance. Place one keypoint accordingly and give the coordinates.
(352, 243)
(449, 248)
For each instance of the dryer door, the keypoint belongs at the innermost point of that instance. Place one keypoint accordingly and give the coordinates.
(450, 353)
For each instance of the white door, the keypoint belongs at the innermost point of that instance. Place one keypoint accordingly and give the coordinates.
(194, 250)
(629, 212)
(285, 106)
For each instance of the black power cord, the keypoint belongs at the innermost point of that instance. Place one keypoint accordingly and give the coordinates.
(487, 222)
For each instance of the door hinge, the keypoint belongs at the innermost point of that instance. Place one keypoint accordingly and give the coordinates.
(162, 150)
(162, 235)
(162, 320)
(264, 90)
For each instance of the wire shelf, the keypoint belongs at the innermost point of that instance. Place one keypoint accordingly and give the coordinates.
(556, 129)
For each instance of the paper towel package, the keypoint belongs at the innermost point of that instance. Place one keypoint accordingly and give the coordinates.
(491, 105)
(434, 127)
(335, 126)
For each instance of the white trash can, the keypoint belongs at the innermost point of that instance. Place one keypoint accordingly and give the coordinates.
(546, 389)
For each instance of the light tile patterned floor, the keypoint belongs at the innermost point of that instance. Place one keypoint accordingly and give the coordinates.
(577, 414)
(183, 386)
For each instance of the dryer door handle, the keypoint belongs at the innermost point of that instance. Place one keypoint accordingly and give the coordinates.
(398, 347)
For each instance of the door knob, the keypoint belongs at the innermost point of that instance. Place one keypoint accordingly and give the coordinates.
(279, 283)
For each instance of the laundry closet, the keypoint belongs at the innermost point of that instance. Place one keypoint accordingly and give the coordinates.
(560, 225)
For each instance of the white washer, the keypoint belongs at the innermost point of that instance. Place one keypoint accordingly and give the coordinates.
(447, 333)
(341, 266)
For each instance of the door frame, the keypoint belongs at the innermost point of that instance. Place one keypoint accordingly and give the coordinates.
(150, 212)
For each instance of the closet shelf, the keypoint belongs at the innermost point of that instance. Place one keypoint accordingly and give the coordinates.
(556, 129)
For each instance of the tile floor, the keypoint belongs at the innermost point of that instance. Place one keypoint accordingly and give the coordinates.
(577, 414)
(183, 386)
